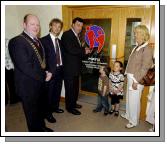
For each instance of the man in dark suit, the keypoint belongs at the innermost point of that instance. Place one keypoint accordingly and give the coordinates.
(72, 56)
(54, 64)
(28, 56)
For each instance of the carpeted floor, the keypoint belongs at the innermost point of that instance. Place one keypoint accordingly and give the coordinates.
(92, 100)
(66, 122)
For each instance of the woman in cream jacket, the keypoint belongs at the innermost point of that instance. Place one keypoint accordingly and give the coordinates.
(140, 60)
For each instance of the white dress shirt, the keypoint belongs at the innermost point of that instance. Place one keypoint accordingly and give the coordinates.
(53, 40)
(29, 35)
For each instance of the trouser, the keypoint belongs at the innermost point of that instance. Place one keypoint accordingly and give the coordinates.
(102, 103)
(33, 101)
(133, 101)
(151, 109)
(71, 91)
(54, 87)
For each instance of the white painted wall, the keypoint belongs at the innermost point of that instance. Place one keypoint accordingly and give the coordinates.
(14, 15)
(12, 22)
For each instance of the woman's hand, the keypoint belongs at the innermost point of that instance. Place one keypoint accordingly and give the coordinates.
(134, 85)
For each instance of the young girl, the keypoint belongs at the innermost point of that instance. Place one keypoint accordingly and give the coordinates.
(116, 82)
(103, 90)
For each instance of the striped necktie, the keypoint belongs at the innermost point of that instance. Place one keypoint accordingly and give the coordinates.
(57, 52)
(37, 43)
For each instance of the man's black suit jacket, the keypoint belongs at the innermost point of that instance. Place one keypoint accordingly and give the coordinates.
(72, 54)
(26, 65)
(50, 53)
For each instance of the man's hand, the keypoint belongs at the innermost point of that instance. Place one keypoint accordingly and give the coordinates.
(48, 76)
(83, 43)
(87, 50)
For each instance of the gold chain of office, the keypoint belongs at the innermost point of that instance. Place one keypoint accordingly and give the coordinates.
(42, 62)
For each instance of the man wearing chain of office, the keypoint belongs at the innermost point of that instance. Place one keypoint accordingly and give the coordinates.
(28, 56)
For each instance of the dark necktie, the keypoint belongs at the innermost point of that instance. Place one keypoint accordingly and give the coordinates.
(57, 52)
(79, 40)
(37, 43)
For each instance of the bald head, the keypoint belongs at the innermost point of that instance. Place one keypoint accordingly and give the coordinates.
(31, 24)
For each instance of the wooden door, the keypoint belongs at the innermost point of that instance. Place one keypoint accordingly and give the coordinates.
(118, 16)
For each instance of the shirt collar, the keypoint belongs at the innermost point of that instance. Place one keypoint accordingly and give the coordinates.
(74, 32)
(30, 35)
(141, 46)
(116, 73)
(52, 36)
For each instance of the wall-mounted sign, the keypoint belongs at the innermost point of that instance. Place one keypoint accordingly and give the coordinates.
(95, 37)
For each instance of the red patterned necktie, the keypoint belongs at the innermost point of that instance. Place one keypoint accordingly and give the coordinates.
(38, 46)
(37, 42)
(57, 52)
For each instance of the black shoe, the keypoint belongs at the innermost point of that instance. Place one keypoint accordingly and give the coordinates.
(46, 129)
(111, 111)
(96, 110)
(51, 119)
(116, 113)
(105, 112)
(78, 106)
(74, 111)
(58, 110)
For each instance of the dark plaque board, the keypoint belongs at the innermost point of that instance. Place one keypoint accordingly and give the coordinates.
(92, 62)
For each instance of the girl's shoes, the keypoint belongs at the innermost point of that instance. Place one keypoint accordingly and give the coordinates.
(111, 111)
(116, 113)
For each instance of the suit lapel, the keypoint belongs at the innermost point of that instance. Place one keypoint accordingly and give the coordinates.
(27, 36)
(51, 45)
(39, 54)
(50, 42)
(74, 38)
(41, 46)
